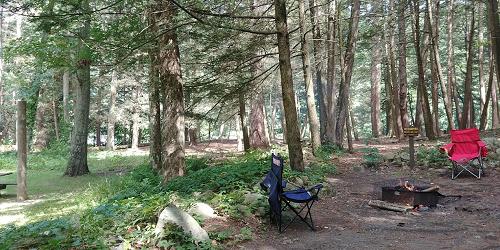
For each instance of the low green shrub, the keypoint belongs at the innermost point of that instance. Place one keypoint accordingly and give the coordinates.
(328, 151)
(372, 157)
(431, 156)
(124, 211)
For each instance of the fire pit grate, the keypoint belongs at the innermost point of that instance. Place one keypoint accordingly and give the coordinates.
(410, 192)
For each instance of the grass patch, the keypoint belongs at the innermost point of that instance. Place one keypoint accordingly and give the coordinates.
(95, 211)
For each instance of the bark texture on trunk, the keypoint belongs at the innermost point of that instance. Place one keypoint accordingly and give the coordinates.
(494, 26)
(345, 84)
(77, 164)
(170, 91)
(376, 74)
(402, 77)
(331, 82)
(467, 120)
(66, 88)
(318, 65)
(306, 67)
(451, 64)
(258, 136)
(110, 139)
(445, 89)
(43, 121)
(422, 96)
(244, 127)
(398, 125)
(22, 151)
(484, 112)
(135, 117)
(292, 131)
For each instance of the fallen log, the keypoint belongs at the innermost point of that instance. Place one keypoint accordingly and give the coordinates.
(431, 189)
(389, 206)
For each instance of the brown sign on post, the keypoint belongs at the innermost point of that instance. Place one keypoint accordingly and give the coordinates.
(411, 132)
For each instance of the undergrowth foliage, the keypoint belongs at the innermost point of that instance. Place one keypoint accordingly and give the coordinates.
(124, 212)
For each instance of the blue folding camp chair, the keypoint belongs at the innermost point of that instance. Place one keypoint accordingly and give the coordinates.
(274, 184)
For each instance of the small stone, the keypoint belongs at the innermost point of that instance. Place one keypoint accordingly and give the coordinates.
(390, 156)
(252, 198)
(203, 210)
(299, 182)
(405, 156)
(491, 236)
(358, 168)
(189, 225)
(305, 180)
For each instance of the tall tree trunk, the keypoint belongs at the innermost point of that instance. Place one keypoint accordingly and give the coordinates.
(283, 120)
(66, 88)
(258, 137)
(292, 128)
(422, 89)
(22, 151)
(318, 65)
(306, 67)
(376, 73)
(154, 105)
(344, 92)
(398, 125)
(494, 27)
(77, 164)
(242, 115)
(484, 112)
(98, 133)
(56, 119)
(445, 89)
(110, 135)
(43, 120)
(403, 82)
(495, 109)
(350, 148)
(171, 97)
(450, 62)
(388, 100)
(467, 121)
(353, 126)
(432, 18)
(1, 68)
(331, 84)
(480, 54)
(239, 134)
(135, 117)
(272, 125)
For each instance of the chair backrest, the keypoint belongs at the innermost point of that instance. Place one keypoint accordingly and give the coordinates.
(465, 141)
(272, 182)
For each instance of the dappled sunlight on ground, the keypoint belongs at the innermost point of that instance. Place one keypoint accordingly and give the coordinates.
(12, 211)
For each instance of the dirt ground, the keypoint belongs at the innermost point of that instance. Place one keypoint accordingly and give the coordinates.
(344, 220)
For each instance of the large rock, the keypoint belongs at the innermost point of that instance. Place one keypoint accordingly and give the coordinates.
(189, 225)
(203, 210)
(253, 198)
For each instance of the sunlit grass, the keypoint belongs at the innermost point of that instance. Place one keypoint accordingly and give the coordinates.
(53, 195)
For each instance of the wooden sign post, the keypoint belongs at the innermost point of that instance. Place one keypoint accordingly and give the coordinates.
(411, 132)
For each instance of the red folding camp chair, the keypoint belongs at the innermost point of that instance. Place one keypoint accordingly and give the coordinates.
(465, 147)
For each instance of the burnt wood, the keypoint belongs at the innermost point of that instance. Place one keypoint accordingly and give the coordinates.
(412, 198)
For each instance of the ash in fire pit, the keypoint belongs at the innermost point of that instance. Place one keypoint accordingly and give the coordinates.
(411, 193)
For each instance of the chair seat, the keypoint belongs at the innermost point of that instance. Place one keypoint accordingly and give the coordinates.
(299, 195)
(463, 158)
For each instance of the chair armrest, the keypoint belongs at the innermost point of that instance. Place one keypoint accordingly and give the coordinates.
(316, 187)
(448, 148)
(482, 148)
